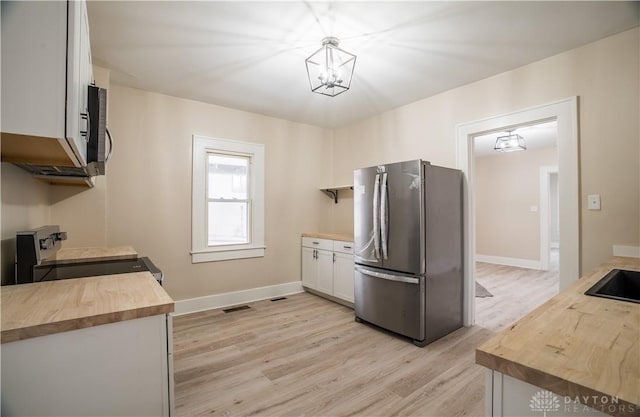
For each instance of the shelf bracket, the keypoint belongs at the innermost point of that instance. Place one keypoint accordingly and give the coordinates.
(333, 194)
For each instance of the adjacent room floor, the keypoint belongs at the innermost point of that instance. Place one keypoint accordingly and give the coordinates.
(305, 355)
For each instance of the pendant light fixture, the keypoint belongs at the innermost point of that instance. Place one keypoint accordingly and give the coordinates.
(330, 68)
(510, 143)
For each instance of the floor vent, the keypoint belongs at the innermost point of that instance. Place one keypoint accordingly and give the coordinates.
(279, 299)
(238, 308)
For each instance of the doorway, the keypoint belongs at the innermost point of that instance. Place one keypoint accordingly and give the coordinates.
(565, 113)
(513, 201)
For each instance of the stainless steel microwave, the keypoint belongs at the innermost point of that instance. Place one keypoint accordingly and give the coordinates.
(97, 135)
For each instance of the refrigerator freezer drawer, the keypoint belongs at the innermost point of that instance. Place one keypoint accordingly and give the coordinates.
(393, 302)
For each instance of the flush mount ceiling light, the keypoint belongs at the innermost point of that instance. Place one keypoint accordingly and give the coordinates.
(330, 69)
(510, 143)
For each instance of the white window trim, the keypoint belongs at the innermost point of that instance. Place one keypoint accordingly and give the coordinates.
(200, 251)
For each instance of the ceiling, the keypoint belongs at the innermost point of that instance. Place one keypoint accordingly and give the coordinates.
(538, 136)
(250, 55)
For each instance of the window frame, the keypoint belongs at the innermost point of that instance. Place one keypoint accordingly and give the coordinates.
(200, 249)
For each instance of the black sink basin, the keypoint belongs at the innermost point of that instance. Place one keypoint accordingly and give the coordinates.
(619, 285)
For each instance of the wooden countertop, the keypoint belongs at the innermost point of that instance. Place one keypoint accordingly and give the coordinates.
(44, 308)
(74, 255)
(330, 236)
(576, 345)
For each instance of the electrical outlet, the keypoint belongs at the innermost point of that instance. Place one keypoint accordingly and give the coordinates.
(593, 201)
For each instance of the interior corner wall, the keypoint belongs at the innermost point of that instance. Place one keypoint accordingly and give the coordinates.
(605, 77)
(79, 211)
(507, 185)
(148, 197)
(25, 205)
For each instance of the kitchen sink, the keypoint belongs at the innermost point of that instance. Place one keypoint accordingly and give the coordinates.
(619, 284)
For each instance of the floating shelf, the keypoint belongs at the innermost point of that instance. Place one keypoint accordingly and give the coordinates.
(333, 191)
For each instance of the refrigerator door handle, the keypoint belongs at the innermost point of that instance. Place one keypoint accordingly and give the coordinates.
(384, 228)
(390, 277)
(376, 217)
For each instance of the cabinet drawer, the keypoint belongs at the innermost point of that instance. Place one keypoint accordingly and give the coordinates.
(343, 247)
(312, 242)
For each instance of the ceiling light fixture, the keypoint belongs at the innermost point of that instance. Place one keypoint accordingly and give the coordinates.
(510, 143)
(330, 68)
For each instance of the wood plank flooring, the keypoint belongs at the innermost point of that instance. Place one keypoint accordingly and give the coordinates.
(306, 356)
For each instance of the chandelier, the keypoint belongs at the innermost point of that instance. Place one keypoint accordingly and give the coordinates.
(510, 143)
(330, 68)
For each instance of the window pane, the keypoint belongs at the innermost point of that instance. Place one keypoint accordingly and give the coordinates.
(228, 223)
(227, 176)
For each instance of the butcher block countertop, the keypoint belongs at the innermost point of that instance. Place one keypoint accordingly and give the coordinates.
(44, 308)
(75, 255)
(330, 236)
(576, 345)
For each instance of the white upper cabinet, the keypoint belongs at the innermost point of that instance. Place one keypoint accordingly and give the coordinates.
(46, 68)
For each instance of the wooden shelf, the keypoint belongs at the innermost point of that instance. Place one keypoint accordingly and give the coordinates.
(333, 191)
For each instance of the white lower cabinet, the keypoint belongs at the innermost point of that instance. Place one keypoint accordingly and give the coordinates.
(343, 273)
(324, 264)
(509, 397)
(116, 369)
(327, 267)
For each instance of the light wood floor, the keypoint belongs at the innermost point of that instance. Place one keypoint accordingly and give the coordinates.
(306, 356)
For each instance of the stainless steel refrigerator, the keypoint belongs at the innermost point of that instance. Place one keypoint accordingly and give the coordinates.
(408, 249)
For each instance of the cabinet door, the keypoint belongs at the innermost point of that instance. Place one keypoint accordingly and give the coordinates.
(309, 270)
(343, 276)
(324, 264)
(34, 41)
(79, 74)
(116, 369)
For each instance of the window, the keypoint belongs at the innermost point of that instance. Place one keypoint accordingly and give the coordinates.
(228, 200)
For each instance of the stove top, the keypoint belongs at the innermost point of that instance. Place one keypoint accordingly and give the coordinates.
(95, 268)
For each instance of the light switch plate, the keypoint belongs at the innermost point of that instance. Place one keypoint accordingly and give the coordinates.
(593, 201)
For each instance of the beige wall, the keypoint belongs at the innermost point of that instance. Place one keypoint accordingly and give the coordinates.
(603, 74)
(148, 196)
(28, 203)
(507, 185)
(145, 199)
(25, 205)
(81, 212)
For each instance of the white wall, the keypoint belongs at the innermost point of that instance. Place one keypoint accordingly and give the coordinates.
(554, 211)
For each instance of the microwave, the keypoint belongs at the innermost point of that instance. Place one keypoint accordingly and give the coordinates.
(98, 132)
(96, 136)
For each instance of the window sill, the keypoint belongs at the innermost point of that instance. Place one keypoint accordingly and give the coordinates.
(215, 255)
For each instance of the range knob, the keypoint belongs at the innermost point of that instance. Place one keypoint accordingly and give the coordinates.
(46, 243)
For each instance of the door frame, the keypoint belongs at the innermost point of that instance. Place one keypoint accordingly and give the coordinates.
(565, 112)
(545, 214)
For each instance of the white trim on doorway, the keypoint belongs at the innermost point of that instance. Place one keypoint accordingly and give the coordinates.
(545, 211)
(565, 112)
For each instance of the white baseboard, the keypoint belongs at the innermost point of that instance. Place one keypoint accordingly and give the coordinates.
(630, 251)
(554, 245)
(501, 260)
(193, 305)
